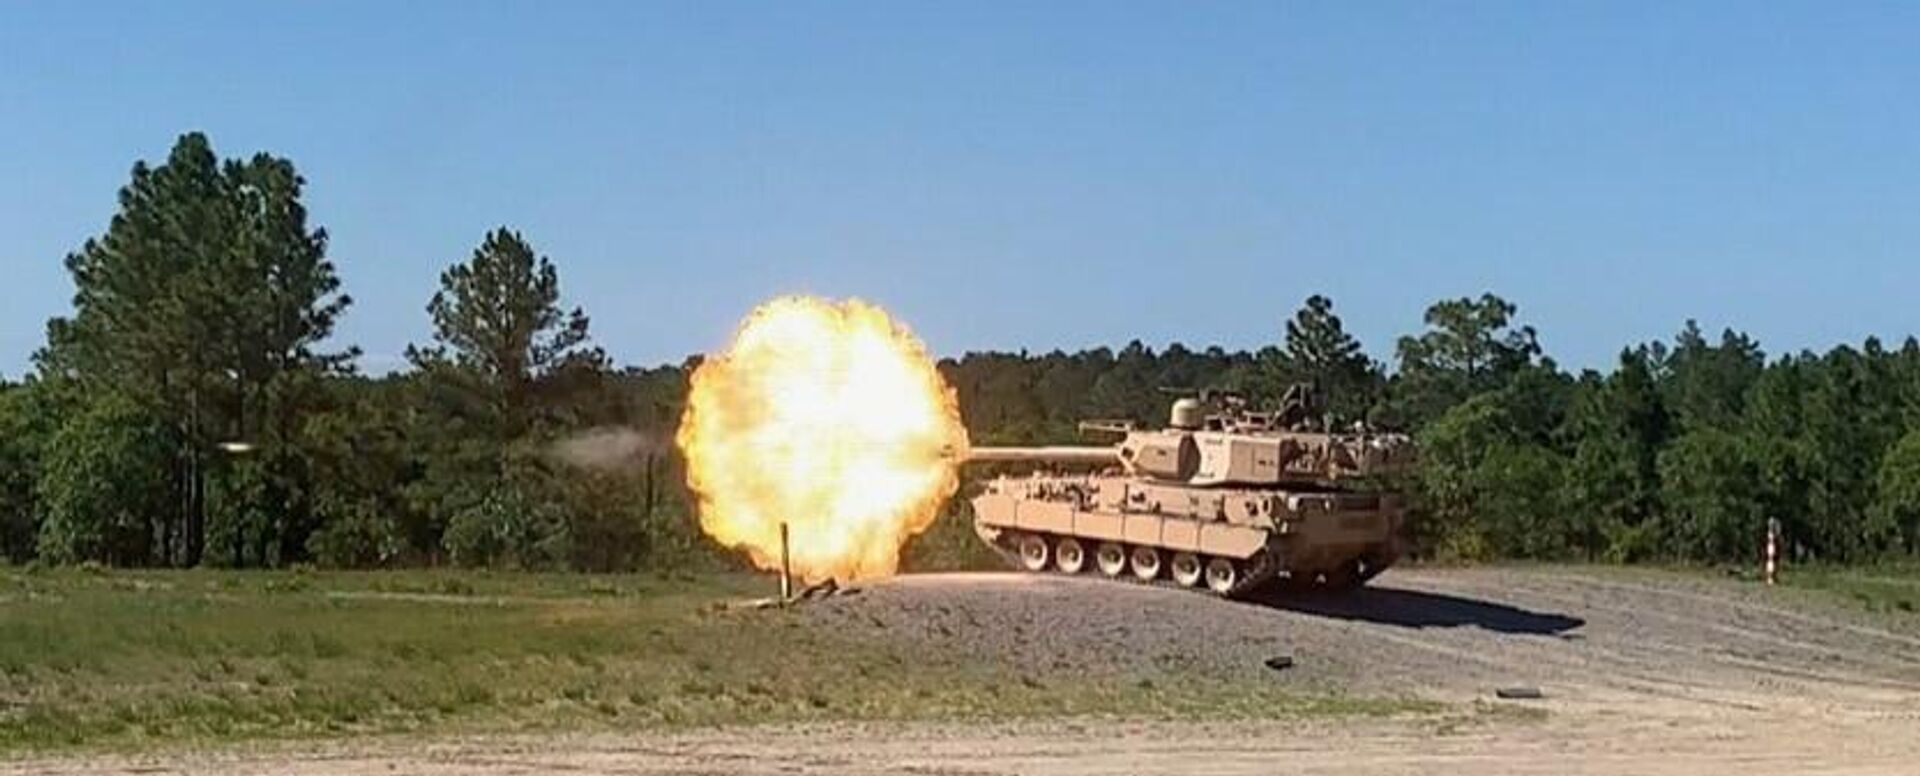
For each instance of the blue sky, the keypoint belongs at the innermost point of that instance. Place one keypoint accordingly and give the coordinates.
(1022, 175)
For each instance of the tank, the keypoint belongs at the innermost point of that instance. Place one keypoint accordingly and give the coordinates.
(1222, 499)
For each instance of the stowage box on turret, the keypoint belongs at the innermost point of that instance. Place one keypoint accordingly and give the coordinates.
(1225, 498)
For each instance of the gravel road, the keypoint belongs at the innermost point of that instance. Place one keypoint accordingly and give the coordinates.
(1641, 672)
(1605, 637)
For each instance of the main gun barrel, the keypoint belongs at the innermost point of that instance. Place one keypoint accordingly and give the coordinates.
(1064, 454)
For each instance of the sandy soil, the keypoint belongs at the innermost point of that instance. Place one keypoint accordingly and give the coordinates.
(1643, 674)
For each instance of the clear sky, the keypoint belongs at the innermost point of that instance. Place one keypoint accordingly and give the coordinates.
(1023, 174)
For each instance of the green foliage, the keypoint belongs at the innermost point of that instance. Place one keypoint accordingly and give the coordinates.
(29, 417)
(611, 518)
(1851, 419)
(360, 451)
(1519, 505)
(1706, 385)
(357, 535)
(19, 465)
(508, 373)
(1896, 512)
(519, 522)
(1008, 398)
(508, 528)
(1452, 449)
(1618, 425)
(1491, 483)
(1318, 351)
(103, 481)
(1470, 347)
(950, 544)
(242, 513)
(204, 305)
(502, 341)
(1710, 486)
(1126, 390)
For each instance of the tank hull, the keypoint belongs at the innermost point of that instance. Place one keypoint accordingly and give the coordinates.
(1241, 540)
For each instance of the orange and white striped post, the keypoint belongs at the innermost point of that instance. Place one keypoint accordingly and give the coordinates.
(1773, 550)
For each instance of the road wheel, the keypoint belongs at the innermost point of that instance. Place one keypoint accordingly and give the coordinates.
(1187, 569)
(1068, 556)
(1110, 558)
(1146, 563)
(1222, 575)
(1034, 552)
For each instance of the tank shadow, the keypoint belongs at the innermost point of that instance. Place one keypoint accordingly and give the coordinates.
(1419, 609)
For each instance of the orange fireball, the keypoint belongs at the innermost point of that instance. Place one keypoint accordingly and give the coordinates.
(827, 416)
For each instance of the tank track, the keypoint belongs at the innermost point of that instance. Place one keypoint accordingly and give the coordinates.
(1259, 575)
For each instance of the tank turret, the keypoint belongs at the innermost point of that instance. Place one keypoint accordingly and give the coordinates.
(1231, 447)
(1230, 499)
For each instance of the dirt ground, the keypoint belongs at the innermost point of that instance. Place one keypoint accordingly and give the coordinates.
(1640, 673)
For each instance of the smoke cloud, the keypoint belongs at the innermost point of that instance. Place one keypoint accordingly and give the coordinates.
(606, 448)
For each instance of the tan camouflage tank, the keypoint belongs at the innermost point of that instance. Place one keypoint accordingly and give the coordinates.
(1223, 498)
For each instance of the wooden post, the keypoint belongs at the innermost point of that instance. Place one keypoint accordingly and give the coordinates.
(786, 567)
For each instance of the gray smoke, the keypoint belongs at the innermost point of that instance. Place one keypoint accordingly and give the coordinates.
(606, 448)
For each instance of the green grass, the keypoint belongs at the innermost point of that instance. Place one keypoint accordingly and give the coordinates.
(136, 659)
(1892, 587)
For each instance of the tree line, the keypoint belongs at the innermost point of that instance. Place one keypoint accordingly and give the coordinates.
(193, 409)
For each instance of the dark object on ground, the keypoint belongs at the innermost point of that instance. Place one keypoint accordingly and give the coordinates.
(1519, 693)
(822, 590)
(1280, 662)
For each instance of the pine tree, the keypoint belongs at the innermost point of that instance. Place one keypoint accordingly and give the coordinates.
(500, 377)
(497, 322)
(1319, 351)
(1470, 347)
(204, 305)
(1706, 384)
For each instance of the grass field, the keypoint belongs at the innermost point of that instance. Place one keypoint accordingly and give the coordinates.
(1893, 587)
(97, 658)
